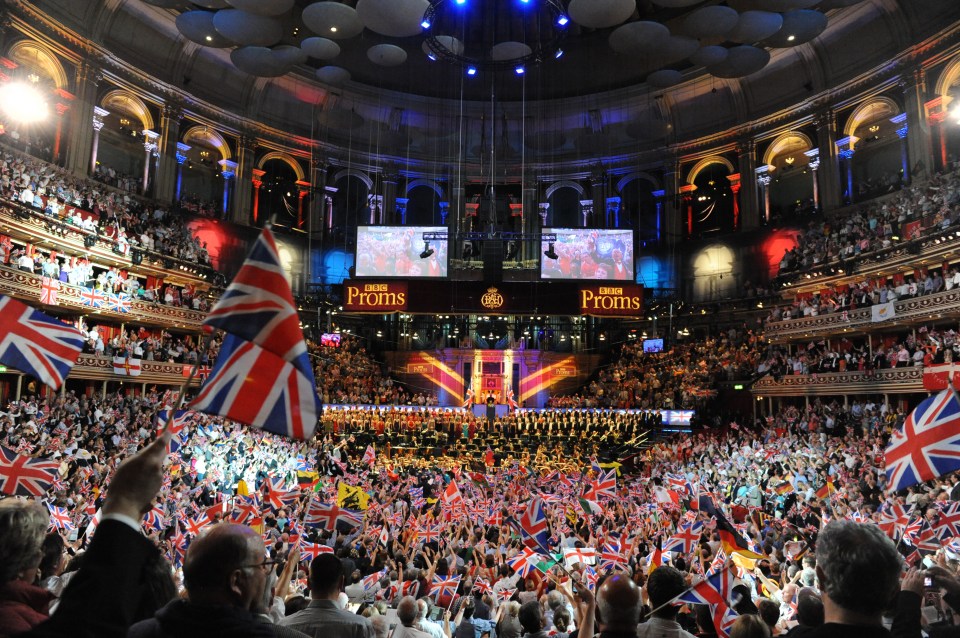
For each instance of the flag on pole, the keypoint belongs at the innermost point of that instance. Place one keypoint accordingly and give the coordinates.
(263, 376)
(928, 444)
(533, 526)
(37, 344)
(25, 476)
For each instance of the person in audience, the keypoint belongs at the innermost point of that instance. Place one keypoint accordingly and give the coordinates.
(323, 618)
(23, 603)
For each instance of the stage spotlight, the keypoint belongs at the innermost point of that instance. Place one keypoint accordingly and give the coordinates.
(23, 103)
(427, 251)
(432, 57)
(558, 54)
(563, 21)
(425, 24)
(520, 70)
(471, 70)
(461, 2)
(550, 253)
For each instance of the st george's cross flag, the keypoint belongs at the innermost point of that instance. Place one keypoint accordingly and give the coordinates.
(928, 444)
(25, 476)
(37, 344)
(263, 376)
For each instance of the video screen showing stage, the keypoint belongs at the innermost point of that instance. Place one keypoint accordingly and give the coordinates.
(585, 253)
(394, 251)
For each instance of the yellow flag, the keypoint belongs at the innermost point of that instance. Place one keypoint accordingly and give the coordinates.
(242, 489)
(352, 498)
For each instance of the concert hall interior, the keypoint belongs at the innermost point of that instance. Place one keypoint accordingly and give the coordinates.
(417, 313)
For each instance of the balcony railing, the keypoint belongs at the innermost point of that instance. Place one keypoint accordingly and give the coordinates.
(886, 381)
(914, 309)
(24, 285)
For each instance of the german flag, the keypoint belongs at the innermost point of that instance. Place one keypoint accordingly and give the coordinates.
(734, 544)
(826, 490)
(784, 488)
(656, 559)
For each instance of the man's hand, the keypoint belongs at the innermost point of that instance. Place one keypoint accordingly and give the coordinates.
(913, 581)
(137, 481)
(944, 579)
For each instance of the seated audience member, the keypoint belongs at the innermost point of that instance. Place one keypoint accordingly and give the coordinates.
(615, 602)
(323, 618)
(749, 626)
(407, 615)
(809, 612)
(531, 620)
(23, 603)
(225, 573)
(509, 624)
(858, 568)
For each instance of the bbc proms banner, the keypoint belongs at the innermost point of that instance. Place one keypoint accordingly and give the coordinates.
(382, 297)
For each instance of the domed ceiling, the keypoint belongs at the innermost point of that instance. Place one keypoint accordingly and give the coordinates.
(562, 47)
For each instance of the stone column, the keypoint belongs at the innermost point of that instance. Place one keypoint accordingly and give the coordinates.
(149, 147)
(168, 167)
(814, 155)
(586, 212)
(228, 169)
(936, 110)
(686, 198)
(243, 169)
(903, 130)
(62, 107)
(181, 158)
(763, 183)
(81, 115)
(318, 178)
(97, 124)
(613, 212)
(673, 221)
(845, 151)
(530, 223)
(659, 198)
(598, 189)
(735, 189)
(303, 189)
(390, 177)
(749, 206)
(257, 181)
(829, 169)
(918, 139)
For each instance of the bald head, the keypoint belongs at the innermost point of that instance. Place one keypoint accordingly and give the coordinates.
(618, 601)
(407, 610)
(220, 566)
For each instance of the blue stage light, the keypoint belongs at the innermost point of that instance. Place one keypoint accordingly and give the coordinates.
(425, 24)
(558, 54)
(563, 20)
(461, 2)
(520, 70)
(471, 70)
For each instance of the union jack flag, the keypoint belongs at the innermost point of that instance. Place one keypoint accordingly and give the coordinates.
(429, 533)
(119, 302)
(686, 538)
(195, 525)
(894, 520)
(533, 526)
(948, 524)
(37, 344)
(482, 586)
(48, 291)
(928, 444)
(713, 590)
(525, 562)
(416, 497)
(178, 427)
(504, 595)
(611, 556)
(245, 509)
(92, 297)
(60, 518)
(25, 476)
(371, 580)
(154, 519)
(309, 551)
(264, 344)
(327, 516)
(444, 587)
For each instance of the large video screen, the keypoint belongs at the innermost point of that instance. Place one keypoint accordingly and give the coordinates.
(400, 251)
(586, 253)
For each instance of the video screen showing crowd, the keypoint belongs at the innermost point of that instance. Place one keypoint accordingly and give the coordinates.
(247, 510)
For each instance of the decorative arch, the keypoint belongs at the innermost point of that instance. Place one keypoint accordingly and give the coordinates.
(949, 77)
(429, 183)
(564, 183)
(708, 161)
(35, 56)
(123, 101)
(878, 108)
(349, 172)
(626, 179)
(285, 158)
(789, 142)
(209, 137)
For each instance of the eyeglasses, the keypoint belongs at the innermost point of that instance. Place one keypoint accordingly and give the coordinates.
(265, 565)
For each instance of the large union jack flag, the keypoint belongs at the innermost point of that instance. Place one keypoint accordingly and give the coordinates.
(120, 302)
(178, 427)
(533, 527)
(60, 518)
(444, 587)
(25, 476)
(92, 297)
(525, 562)
(327, 516)
(263, 376)
(928, 444)
(686, 538)
(254, 386)
(37, 344)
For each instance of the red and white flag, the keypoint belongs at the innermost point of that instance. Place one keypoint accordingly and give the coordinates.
(369, 457)
(126, 367)
(49, 287)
